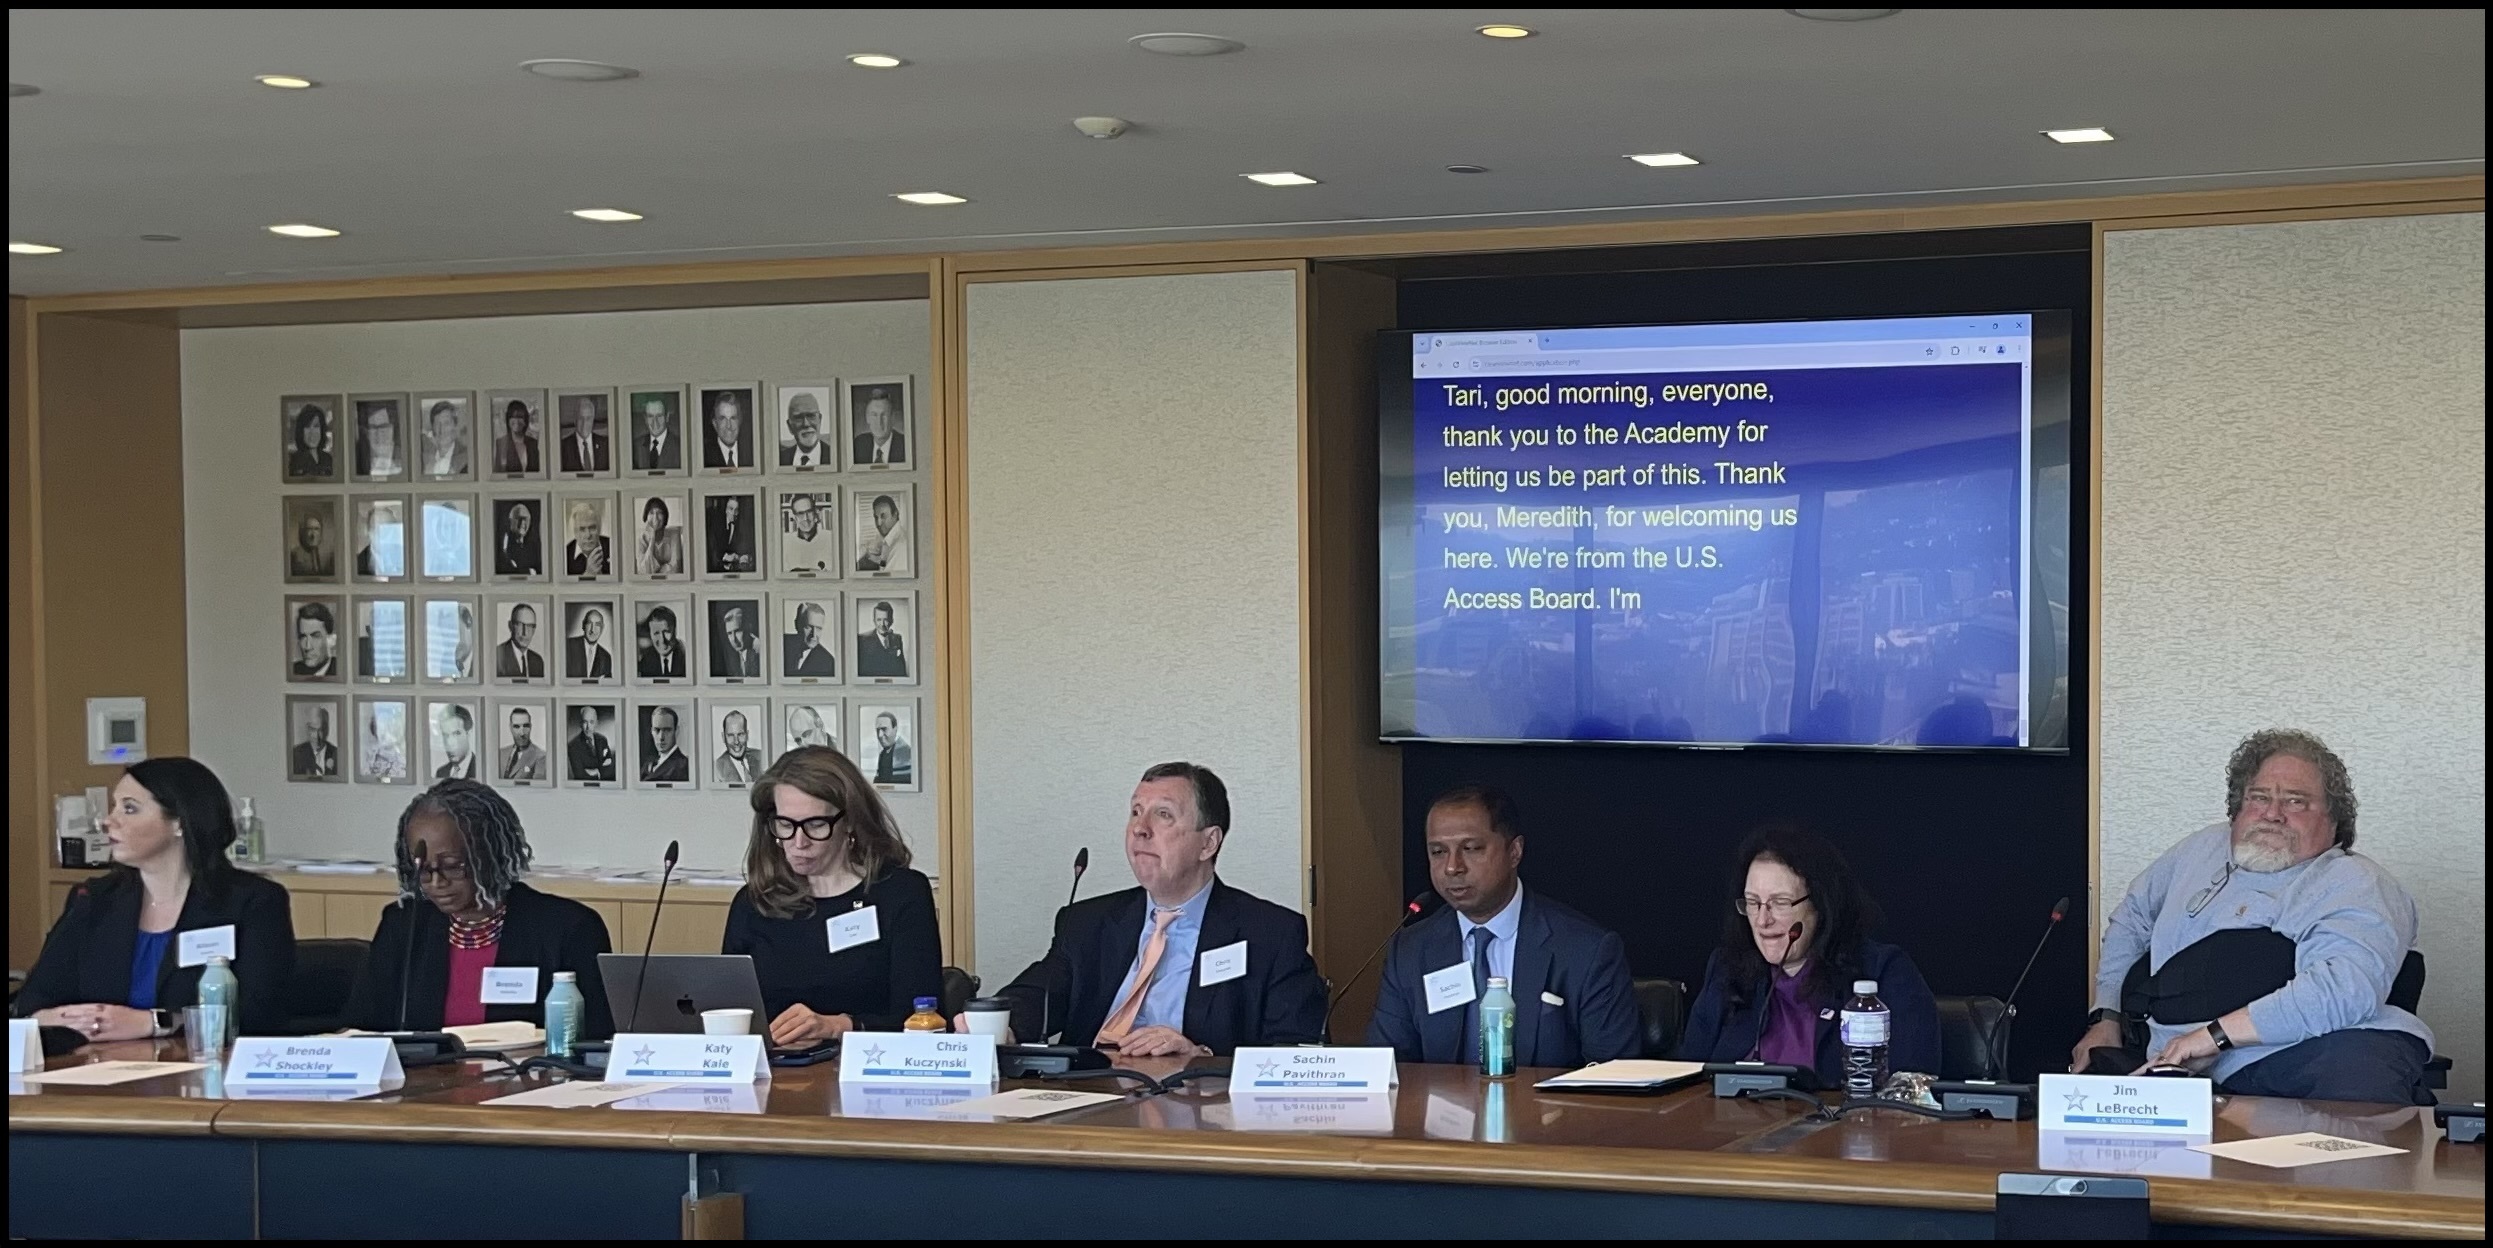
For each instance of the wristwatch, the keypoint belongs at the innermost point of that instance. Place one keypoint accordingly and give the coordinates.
(2216, 1032)
(2105, 1016)
(164, 1023)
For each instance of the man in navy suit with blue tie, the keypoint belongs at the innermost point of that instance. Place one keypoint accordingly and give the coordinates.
(1574, 1003)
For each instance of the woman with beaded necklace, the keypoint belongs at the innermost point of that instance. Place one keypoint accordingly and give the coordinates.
(461, 848)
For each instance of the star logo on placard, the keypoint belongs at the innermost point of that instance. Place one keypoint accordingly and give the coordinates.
(1264, 1069)
(2077, 1100)
(874, 1055)
(641, 1055)
(267, 1060)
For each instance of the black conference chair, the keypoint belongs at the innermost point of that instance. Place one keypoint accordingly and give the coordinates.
(958, 987)
(2407, 993)
(324, 973)
(1973, 1037)
(1662, 1011)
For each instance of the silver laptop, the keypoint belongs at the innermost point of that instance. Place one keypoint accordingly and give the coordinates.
(678, 988)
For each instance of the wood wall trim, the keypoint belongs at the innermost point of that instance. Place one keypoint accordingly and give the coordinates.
(949, 480)
(2419, 208)
(30, 816)
(2094, 625)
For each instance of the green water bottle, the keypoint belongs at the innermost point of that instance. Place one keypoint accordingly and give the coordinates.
(563, 1004)
(1497, 1030)
(218, 990)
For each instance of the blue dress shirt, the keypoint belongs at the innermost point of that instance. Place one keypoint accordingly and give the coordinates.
(1164, 1002)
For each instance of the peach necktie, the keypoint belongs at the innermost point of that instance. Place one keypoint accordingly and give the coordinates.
(1121, 1020)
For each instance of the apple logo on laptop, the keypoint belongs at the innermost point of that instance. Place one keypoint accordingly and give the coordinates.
(684, 1006)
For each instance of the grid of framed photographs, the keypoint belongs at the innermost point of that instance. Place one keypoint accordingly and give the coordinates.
(650, 586)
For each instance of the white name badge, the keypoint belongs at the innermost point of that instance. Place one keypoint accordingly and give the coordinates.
(314, 1062)
(2096, 1104)
(508, 985)
(643, 1058)
(857, 927)
(25, 1046)
(1450, 987)
(1219, 966)
(1325, 1070)
(204, 943)
(938, 1057)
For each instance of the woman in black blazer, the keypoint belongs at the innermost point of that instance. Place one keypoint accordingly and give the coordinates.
(111, 967)
(461, 852)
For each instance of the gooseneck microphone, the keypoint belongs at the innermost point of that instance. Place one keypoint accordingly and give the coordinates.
(2060, 910)
(1422, 904)
(406, 958)
(641, 979)
(1081, 863)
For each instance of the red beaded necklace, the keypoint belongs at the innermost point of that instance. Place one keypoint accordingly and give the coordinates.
(478, 934)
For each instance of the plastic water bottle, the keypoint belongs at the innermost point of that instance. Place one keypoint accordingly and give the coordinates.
(1497, 1030)
(250, 835)
(563, 1005)
(924, 1018)
(219, 988)
(1862, 1026)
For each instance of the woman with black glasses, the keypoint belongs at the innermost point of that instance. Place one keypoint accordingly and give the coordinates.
(1794, 941)
(842, 933)
(461, 852)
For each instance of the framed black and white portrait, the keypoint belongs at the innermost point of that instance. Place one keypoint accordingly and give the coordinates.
(807, 721)
(584, 421)
(380, 537)
(739, 741)
(381, 740)
(807, 628)
(309, 426)
(313, 622)
(806, 532)
(593, 745)
(381, 442)
(731, 542)
(515, 545)
(514, 435)
(729, 417)
(660, 545)
(451, 655)
(887, 639)
(591, 543)
(882, 537)
(446, 436)
(590, 632)
(665, 741)
(448, 522)
(315, 532)
(384, 641)
(313, 755)
(802, 411)
(887, 743)
(878, 426)
(519, 626)
(663, 640)
(450, 739)
(522, 729)
(653, 432)
(733, 623)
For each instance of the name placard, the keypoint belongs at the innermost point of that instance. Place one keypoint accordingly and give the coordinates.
(641, 1057)
(938, 1057)
(1314, 1069)
(2096, 1104)
(1358, 1113)
(313, 1062)
(25, 1046)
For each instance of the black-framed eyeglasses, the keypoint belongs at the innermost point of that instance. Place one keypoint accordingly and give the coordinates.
(1780, 907)
(446, 870)
(817, 828)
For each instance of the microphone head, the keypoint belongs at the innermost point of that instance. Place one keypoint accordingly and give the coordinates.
(1082, 860)
(1425, 899)
(2060, 909)
(673, 847)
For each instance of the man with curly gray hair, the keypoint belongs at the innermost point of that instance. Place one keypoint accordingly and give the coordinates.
(2260, 951)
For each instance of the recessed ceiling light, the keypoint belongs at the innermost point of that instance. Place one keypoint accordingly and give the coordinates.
(1505, 30)
(284, 82)
(1664, 160)
(570, 70)
(876, 60)
(928, 197)
(1843, 15)
(1279, 179)
(33, 249)
(2083, 134)
(20, 90)
(303, 231)
(1175, 44)
(605, 214)
(160, 238)
(1467, 168)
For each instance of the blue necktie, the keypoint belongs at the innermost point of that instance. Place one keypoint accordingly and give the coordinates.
(1480, 937)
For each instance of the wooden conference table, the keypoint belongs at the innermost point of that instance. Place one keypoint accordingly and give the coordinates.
(1451, 1155)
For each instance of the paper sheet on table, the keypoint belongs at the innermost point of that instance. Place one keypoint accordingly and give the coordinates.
(2286, 1151)
(1026, 1103)
(98, 1074)
(578, 1095)
(1624, 1073)
(517, 1035)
